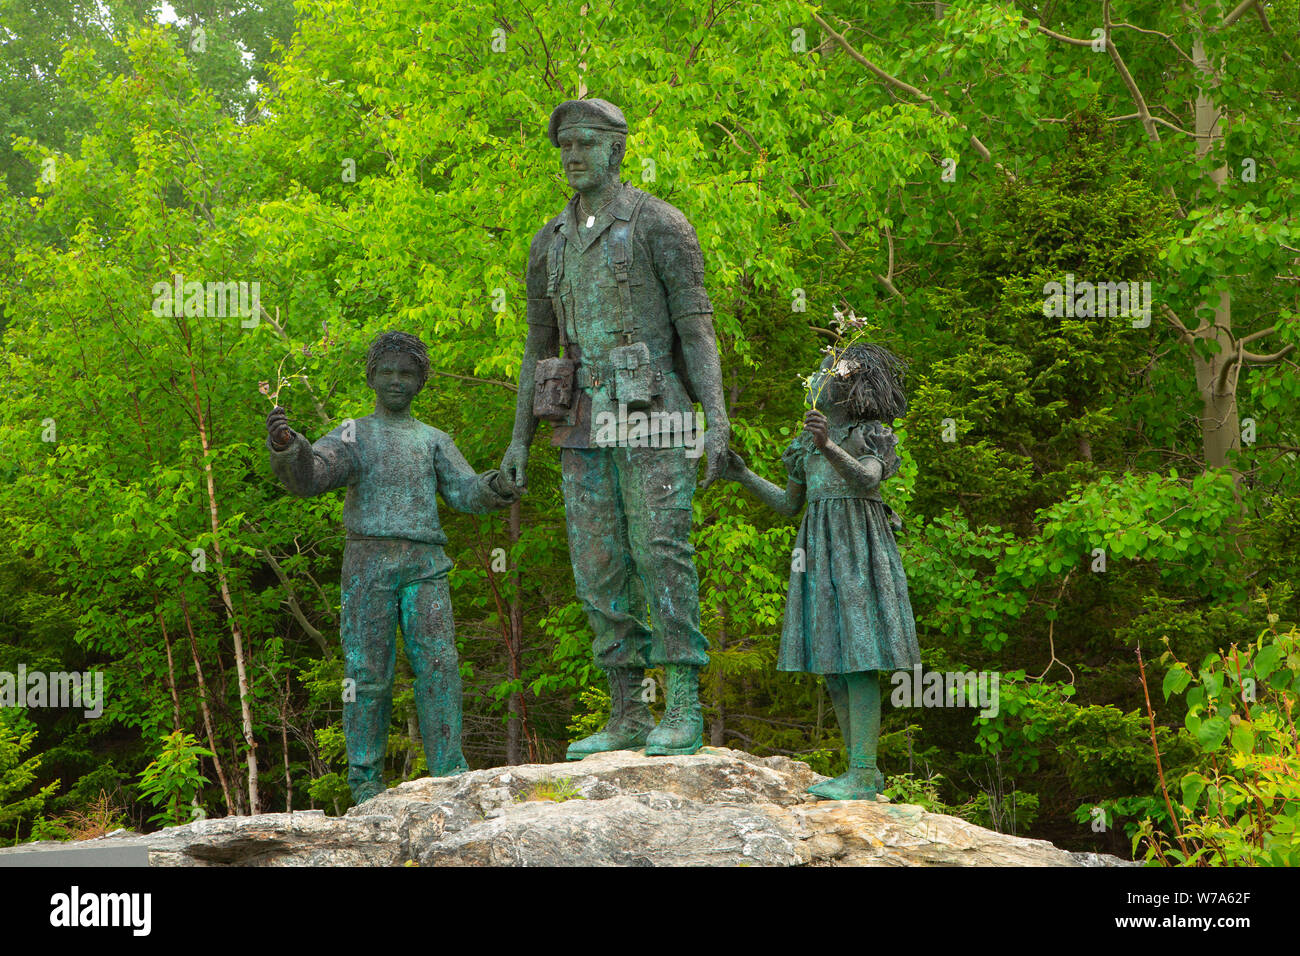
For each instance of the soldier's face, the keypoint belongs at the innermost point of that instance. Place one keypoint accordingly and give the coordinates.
(396, 381)
(588, 157)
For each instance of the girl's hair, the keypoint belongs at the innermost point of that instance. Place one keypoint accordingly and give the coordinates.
(401, 343)
(871, 383)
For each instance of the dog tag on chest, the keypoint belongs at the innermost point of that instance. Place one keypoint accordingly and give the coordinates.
(591, 221)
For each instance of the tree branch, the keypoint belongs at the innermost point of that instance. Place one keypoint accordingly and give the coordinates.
(294, 608)
(1221, 380)
(1269, 359)
(1059, 36)
(903, 87)
(470, 378)
(1169, 39)
(839, 240)
(1247, 339)
(1184, 334)
(1138, 99)
(279, 330)
(1154, 119)
(1237, 13)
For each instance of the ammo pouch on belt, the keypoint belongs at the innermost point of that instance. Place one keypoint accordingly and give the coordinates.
(553, 388)
(633, 375)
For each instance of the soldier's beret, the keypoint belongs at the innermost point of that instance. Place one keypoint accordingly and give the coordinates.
(593, 114)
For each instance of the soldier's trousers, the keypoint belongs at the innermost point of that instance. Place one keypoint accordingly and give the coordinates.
(628, 511)
(387, 582)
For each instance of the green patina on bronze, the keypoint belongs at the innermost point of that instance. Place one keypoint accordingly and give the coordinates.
(394, 566)
(847, 615)
(616, 275)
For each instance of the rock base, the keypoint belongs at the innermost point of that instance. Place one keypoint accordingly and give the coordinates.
(718, 807)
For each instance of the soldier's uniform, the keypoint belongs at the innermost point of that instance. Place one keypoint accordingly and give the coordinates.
(642, 560)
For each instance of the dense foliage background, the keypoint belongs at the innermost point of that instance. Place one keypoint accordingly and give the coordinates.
(1076, 489)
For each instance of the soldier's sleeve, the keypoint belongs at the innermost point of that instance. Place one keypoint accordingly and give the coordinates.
(306, 469)
(540, 310)
(678, 261)
(461, 487)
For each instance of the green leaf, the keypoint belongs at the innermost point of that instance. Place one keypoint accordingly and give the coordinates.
(1193, 784)
(1212, 733)
(1176, 681)
(1266, 661)
(1243, 739)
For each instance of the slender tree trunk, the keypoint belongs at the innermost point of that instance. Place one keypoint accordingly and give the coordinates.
(718, 725)
(241, 669)
(517, 726)
(1216, 376)
(284, 743)
(413, 732)
(171, 673)
(231, 803)
(404, 677)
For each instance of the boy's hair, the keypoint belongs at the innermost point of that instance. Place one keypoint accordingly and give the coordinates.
(402, 343)
(871, 381)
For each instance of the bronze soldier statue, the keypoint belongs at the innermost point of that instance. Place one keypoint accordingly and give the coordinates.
(616, 283)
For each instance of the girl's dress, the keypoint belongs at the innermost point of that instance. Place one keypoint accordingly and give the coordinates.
(848, 609)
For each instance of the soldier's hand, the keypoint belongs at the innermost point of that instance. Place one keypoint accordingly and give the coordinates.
(715, 450)
(514, 465)
(277, 427)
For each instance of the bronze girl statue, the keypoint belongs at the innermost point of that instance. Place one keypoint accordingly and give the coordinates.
(847, 612)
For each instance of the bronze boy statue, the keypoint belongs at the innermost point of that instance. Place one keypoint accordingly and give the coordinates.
(394, 567)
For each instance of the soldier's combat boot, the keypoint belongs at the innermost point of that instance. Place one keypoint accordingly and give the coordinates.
(629, 717)
(682, 729)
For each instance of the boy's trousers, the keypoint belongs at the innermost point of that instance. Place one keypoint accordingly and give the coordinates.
(387, 582)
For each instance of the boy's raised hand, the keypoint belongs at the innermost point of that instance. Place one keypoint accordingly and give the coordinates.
(277, 427)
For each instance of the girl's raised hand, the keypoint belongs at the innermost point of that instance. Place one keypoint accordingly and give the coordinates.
(814, 423)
